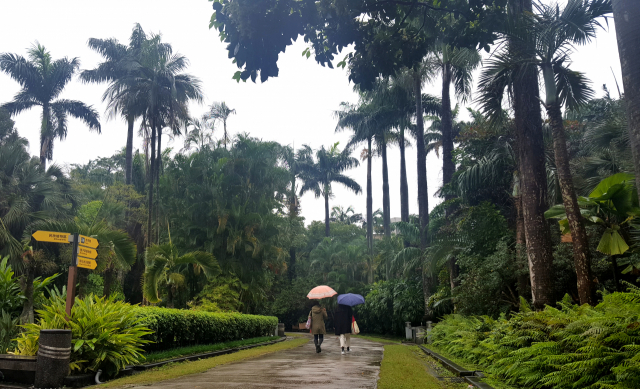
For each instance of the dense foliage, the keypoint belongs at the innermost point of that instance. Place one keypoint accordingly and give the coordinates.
(178, 328)
(107, 335)
(566, 347)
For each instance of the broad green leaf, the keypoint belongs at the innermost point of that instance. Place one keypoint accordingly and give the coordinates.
(604, 185)
(612, 243)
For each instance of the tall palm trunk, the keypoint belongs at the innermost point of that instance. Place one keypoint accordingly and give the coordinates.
(157, 178)
(423, 189)
(523, 280)
(626, 15)
(224, 123)
(327, 228)
(423, 193)
(45, 140)
(369, 213)
(581, 255)
(528, 122)
(404, 185)
(128, 164)
(152, 175)
(386, 202)
(448, 167)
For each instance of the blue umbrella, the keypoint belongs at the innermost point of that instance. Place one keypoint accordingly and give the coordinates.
(350, 299)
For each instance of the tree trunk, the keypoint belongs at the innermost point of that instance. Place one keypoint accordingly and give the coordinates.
(292, 264)
(369, 214)
(109, 276)
(152, 175)
(404, 185)
(27, 308)
(614, 269)
(225, 133)
(521, 243)
(158, 169)
(128, 164)
(327, 230)
(626, 15)
(386, 202)
(423, 192)
(528, 122)
(581, 255)
(45, 140)
(448, 167)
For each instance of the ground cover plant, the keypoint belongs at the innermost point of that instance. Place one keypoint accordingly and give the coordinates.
(203, 348)
(569, 346)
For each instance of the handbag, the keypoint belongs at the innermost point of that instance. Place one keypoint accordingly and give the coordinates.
(354, 326)
(308, 325)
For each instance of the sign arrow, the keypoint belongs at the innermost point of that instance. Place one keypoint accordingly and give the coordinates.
(50, 236)
(87, 263)
(87, 252)
(89, 242)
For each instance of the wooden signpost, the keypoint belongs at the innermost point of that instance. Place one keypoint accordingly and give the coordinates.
(83, 254)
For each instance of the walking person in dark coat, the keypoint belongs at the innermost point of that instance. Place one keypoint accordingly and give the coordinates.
(318, 315)
(343, 318)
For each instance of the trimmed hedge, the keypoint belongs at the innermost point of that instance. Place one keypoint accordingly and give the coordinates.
(178, 328)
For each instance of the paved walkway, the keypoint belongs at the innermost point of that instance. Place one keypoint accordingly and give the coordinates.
(295, 368)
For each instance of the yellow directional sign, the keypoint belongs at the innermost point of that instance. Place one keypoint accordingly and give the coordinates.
(89, 242)
(87, 252)
(87, 263)
(50, 236)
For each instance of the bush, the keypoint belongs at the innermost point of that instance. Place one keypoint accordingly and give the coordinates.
(389, 305)
(106, 334)
(569, 347)
(179, 328)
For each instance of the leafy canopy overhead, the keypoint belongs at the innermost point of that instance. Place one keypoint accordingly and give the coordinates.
(387, 35)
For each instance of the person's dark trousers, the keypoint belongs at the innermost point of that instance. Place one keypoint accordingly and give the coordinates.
(317, 339)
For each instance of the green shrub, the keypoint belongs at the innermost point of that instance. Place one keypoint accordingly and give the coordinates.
(106, 334)
(179, 328)
(567, 347)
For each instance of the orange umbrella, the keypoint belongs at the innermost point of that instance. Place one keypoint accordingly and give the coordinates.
(320, 292)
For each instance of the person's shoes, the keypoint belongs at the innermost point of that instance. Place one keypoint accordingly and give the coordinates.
(317, 348)
(348, 350)
(343, 352)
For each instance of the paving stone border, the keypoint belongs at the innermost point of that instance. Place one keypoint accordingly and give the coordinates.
(471, 377)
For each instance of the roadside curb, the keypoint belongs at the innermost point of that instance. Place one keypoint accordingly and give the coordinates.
(471, 377)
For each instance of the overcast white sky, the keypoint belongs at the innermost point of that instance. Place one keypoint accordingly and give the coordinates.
(295, 108)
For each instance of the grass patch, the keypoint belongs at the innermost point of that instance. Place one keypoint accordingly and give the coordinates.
(175, 370)
(380, 339)
(402, 368)
(295, 334)
(203, 348)
(496, 383)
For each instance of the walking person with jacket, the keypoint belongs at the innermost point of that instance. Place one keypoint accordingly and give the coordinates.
(343, 318)
(318, 316)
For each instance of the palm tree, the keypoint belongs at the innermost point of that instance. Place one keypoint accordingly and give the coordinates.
(318, 176)
(457, 66)
(162, 93)
(42, 80)
(626, 14)
(348, 216)
(165, 264)
(522, 84)
(555, 32)
(199, 134)
(220, 111)
(119, 60)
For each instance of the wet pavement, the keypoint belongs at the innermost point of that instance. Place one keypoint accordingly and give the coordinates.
(293, 368)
